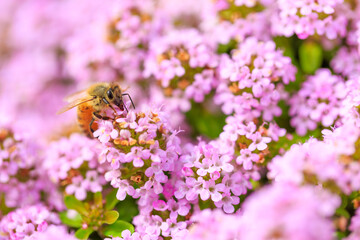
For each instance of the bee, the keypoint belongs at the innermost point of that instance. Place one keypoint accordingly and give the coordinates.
(92, 102)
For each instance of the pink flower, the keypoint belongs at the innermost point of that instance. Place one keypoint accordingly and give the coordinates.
(215, 190)
(123, 189)
(93, 181)
(114, 157)
(136, 156)
(106, 131)
(247, 158)
(182, 208)
(319, 101)
(236, 183)
(293, 207)
(309, 17)
(156, 170)
(259, 142)
(169, 69)
(27, 222)
(184, 190)
(128, 121)
(77, 188)
(227, 203)
(354, 226)
(160, 205)
(247, 79)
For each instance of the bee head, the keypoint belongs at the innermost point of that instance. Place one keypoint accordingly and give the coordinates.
(114, 96)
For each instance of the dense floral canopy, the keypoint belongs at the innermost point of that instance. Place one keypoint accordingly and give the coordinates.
(246, 126)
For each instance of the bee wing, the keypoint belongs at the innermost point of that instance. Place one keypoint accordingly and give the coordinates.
(76, 96)
(75, 100)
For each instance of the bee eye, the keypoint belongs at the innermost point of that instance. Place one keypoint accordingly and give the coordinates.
(110, 94)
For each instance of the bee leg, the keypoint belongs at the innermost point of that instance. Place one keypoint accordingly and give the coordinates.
(91, 123)
(96, 115)
(107, 102)
(126, 94)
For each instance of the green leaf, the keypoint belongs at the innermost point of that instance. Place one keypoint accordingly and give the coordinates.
(340, 235)
(111, 200)
(83, 233)
(227, 48)
(74, 222)
(72, 203)
(3, 208)
(255, 184)
(98, 199)
(344, 201)
(288, 46)
(110, 217)
(311, 57)
(354, 195)
(343, 212)
(205, 204)
(127, 209)
(204, 122)
(116, 229)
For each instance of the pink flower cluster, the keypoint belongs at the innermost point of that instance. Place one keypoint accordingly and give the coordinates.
(346, 62)
(355, 226)
(114, 33)
(73, 163)
(253, 78)
(183, 61)
(292, 207)
(331, 162)
(307, 18)
(127, 235)
(242, 18)
(349, 109)
(143, 152)
(225, 141)
(148, 163)
(247, 142)
(21, 179)
(247, 3)
(318, 101)
(27, 223)
(209, 175)
(140, 149)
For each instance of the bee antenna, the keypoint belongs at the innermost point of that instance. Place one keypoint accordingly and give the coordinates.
(125, 107)
(126, 94)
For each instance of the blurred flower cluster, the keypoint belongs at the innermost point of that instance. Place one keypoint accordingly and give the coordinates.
(246, 122)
